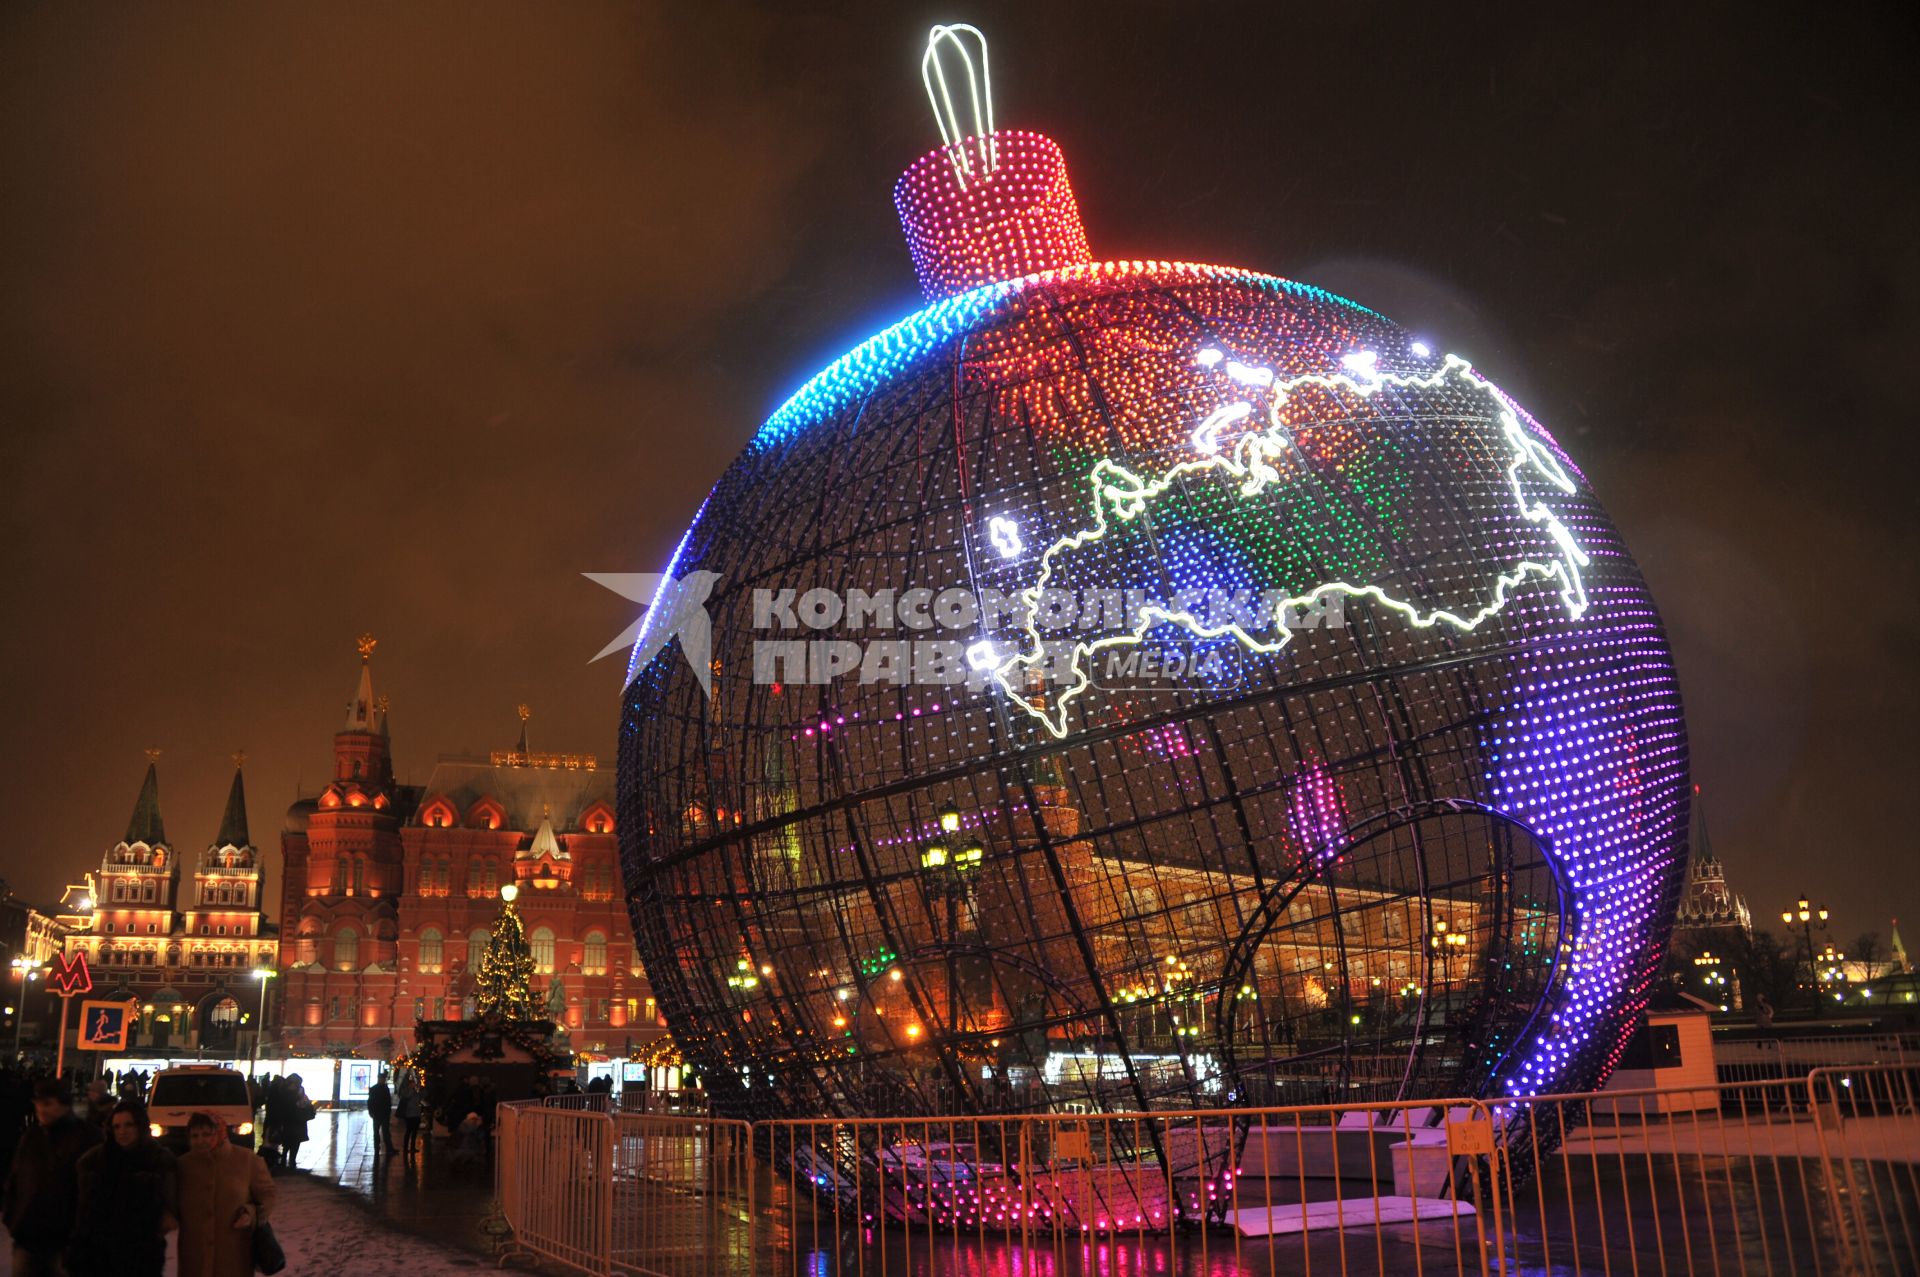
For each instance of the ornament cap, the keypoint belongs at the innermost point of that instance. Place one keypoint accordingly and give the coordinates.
(1019, 219)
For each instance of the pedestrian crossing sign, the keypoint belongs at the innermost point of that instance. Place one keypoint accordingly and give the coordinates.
(104, 1025)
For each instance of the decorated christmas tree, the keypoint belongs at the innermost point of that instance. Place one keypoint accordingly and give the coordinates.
(504, 983)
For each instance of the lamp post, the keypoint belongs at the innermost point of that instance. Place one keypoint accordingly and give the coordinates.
(951, 868)
(1805, 912)
(1444, 942)
(1712, 976)
(1833, 969)
(26, 970)
(262, 974)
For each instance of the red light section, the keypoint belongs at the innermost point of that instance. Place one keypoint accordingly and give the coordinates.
(1017, 220)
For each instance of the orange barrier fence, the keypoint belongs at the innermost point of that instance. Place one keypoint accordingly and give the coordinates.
(1810, 1176)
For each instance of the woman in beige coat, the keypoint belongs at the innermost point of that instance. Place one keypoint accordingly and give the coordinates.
(224, 1191)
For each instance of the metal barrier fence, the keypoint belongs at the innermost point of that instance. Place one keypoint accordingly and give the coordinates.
(1724, 1179)
(1793, 1058)
(684, 1103)
(606, 1192)
(1354, 1186)
(553, 1176)
(1810, 1176)
(1869, 1129)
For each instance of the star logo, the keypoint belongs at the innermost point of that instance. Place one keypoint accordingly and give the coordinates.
(676, 608)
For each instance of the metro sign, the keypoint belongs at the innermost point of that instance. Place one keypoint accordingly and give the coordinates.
(104, 1026)
(69, 975)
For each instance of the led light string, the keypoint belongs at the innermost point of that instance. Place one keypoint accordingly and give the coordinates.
(933, 74)
(1129, 495)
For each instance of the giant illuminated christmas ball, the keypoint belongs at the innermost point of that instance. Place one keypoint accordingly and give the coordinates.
(1142, 684)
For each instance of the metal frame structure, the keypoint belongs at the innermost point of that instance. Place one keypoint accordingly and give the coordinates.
(1387, 857)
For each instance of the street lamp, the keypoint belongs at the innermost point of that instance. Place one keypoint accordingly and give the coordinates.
(262, 974)
(1833, 969)
(1444, 942)
(950, 863)
(26, 970)
(1805, 912)
(1712, 976)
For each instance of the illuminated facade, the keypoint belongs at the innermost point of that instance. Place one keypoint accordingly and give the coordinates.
(391, 890)
(181, 945)
(939, 842)
(27, 931)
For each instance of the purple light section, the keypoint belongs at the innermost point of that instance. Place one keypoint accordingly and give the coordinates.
(1592, 755)
(1318, 814)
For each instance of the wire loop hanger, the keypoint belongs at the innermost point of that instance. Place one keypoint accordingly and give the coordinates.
(933, 73)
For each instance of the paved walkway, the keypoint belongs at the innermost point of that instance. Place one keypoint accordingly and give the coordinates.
(346, 1212)
(324, 1231)
(426, 1195)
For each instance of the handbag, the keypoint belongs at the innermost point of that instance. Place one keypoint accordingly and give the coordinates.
(268, 1257)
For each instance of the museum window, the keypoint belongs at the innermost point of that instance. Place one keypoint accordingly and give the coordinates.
(346, 949)
(595, 961)
(430, 950)
(419, 1008)
(543, 950)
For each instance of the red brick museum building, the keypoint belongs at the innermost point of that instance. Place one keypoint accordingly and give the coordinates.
(390, 891)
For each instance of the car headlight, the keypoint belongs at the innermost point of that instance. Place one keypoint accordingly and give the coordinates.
(245, 1128)
(157, 1129)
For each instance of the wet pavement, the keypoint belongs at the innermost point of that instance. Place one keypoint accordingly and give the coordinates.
(429, 1195)
(346, 1212)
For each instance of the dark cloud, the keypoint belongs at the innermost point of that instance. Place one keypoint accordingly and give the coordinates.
(398, 318)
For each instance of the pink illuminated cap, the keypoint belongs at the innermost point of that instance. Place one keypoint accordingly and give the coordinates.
(1015, 218)
(988, 205)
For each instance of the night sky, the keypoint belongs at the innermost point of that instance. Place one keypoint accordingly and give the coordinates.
(323, 320)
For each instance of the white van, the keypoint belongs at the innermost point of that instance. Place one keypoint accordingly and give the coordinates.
(177, 1094)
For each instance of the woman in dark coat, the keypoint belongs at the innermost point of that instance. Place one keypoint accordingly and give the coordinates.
(128, 1203)
(299, 1112)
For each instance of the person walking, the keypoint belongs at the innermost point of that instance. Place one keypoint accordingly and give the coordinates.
(41, 1183)
(299, 1111)
(275, 1124)
(100, 1104)
(225, 1193)
(410, 1106)
(380, 1109)
(128, 1201)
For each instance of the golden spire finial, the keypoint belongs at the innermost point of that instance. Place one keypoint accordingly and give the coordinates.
(239, 759)
(526, 711)
(382, 702)
(153, 753)
(366, 645)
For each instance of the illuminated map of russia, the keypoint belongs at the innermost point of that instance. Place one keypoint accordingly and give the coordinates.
(1247, 445)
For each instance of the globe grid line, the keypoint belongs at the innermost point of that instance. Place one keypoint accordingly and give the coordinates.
(1129, 503)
